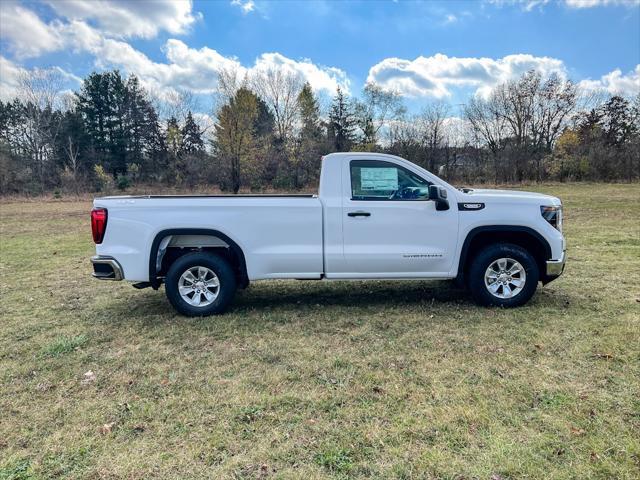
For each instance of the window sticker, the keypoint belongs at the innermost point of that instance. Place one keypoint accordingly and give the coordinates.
(379, 178)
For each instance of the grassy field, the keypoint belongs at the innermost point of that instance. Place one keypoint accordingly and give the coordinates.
(320, 380)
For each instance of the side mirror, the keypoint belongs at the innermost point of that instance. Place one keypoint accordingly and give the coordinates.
(439, 195)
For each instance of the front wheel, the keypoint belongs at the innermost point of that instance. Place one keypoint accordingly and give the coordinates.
(200, 284)
(503, 275)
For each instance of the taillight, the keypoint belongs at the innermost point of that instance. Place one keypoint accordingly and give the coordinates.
(98, 224)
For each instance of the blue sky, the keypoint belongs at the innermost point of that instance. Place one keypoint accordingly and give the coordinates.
(355, 35)
(426, 51)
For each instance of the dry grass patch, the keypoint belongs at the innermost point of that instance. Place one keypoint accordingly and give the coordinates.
(320, 380)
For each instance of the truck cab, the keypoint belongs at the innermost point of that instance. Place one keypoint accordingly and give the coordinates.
(380, 221)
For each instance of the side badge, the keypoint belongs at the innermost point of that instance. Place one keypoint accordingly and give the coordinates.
(470, 206)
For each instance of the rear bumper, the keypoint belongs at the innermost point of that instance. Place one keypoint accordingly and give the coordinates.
(106, 268)
(555, 267)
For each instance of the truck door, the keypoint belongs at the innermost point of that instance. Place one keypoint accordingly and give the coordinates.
(390, 227)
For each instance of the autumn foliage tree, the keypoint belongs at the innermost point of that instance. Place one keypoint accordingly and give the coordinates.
(235, 140)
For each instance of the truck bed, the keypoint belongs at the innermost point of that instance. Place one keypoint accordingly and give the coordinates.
(281, 235)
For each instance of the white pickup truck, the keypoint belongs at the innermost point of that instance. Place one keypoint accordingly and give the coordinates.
(376, 217)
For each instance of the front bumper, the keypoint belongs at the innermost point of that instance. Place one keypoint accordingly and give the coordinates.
(106, 268)
(556, 267)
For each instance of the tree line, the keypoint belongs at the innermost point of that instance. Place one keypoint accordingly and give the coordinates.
(271, 130)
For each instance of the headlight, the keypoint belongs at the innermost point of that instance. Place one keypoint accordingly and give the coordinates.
(553, 215)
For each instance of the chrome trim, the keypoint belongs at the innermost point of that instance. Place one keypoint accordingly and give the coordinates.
(117, 269)
(556, 267)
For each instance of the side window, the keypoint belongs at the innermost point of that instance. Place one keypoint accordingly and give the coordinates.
(378, 180)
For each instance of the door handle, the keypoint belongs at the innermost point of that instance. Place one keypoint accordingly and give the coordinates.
(359, 213)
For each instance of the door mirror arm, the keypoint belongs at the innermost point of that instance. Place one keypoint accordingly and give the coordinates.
(439, 195)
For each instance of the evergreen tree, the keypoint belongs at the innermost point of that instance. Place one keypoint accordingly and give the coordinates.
(13, 166)
(156, 147)
(137, 121)
(267, 151)
(309, 113)
(73, 149)
(192, 161)
(264, 122)
(191, 136)
(174, 149)
(617, 120)
(311, 138)
(117, 124)
(94, 104)
(102, 104)
(11, 122)
(174, 137)
(342, 123)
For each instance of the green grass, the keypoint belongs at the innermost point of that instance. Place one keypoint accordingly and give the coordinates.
(63, 345)
(320, 380)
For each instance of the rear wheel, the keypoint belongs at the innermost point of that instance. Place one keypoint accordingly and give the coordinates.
(200, 284)
(504, 275)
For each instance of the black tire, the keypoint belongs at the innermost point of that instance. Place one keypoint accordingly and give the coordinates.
(485, 258)
(225, 291)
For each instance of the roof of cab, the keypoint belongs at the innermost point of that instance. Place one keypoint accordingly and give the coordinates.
(362, 155)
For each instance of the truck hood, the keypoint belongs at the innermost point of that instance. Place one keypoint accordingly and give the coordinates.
(504, 196)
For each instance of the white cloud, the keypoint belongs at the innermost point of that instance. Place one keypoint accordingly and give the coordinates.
(197, 69)
(11, 76)
(435, 76)
(246, 6)
(600, 3)
(187, 68)
(130, 19)
(320, 78)
(527, 5)
(450, 18)
(615, 83)
(530, 5)
(28, 35)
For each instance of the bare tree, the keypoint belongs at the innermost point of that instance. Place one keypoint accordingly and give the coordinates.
(432, 128)
(526, 115)
(375, 110)
(280, 89)
(404, 139)
(39, 91)
(174, 103)
(71, 149)
(40, 87)
(535, 111)
(229, 81)
(555, 102)
(489, 126)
